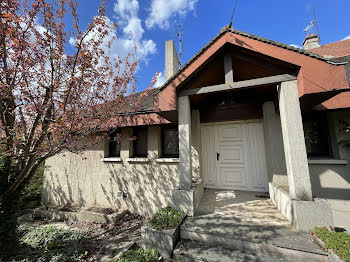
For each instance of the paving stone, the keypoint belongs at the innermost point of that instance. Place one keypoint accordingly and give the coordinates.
(197, 251)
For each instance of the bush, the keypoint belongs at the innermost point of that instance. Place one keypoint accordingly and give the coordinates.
(48, 243)
(139, 255)
(32, 191)
(166, 218)
(9, 207)
(339, 242)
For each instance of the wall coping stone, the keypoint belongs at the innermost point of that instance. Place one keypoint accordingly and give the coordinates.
(111, 159)
(327, 161)
(167, 160)
(138, 160)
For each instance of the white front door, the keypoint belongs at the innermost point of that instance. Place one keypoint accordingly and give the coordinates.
(234, 155)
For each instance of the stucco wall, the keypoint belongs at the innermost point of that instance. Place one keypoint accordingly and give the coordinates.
(333, 180)
(86, 180)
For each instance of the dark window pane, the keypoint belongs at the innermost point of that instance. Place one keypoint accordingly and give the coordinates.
(114, 144)
(170, 142)
(140, 142)
(316, 136)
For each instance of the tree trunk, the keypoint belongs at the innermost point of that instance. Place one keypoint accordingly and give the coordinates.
(9, 208)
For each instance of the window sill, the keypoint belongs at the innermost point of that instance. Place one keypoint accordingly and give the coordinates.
(111, 159)
(167, 160)
(138, 160)
(327, 161)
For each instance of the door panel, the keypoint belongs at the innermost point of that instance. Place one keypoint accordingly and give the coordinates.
(209, 155)
(257, 163)
(233, 177)
(240, 163)
(231, 153)
(229, 132)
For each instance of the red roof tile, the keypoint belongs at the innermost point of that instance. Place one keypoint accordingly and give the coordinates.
(336, 49)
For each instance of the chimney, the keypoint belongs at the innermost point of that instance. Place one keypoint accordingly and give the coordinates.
(171, 61)
(311, 41)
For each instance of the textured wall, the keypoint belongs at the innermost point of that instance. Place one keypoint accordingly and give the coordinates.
(86, 180)
(333, 181)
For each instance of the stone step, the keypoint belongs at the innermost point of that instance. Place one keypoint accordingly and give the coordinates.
(193, 251)
(296, 245)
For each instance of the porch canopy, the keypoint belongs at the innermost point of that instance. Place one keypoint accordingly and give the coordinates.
(253, 71)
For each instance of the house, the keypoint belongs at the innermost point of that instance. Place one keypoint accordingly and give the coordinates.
(244, 113)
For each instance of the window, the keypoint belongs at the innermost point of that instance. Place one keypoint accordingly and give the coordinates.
(114, 144)
(316, 135)
(140, 142)
(170, 141)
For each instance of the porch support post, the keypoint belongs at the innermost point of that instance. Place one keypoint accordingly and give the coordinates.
(196, 145)
(228, 69)
(294, 142)
(185, 165)
(276, 162)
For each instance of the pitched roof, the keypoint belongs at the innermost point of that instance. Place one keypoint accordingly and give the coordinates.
(336, 49)
(146, 103)
(265, 40)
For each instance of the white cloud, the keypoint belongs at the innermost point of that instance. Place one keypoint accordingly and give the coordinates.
(128, 19)
(160, 80)
(296, 46)
(348, 37)
(163, 10)
(126, 9)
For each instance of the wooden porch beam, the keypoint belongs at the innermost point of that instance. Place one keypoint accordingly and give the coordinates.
(236, 85)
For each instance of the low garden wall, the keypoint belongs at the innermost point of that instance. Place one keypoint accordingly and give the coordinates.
(304, 215)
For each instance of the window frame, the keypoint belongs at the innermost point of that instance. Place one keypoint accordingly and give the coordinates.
(134, 145)
(163, 129)
(323, 126)
(114, 142)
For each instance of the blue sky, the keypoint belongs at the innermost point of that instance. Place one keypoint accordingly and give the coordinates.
(155, 21)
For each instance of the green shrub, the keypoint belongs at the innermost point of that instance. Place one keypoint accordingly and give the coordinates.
(32, 191)
(139, 255)
(166, 218)
(339, 242)
(48, 243)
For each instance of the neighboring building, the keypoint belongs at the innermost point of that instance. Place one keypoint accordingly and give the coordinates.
(245, 113)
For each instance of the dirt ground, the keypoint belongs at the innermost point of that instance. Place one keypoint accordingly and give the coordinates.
(104, 241)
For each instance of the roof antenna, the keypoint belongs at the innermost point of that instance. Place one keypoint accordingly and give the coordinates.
(233, 13)
(180, 44)
(312, 24)
(318, 31)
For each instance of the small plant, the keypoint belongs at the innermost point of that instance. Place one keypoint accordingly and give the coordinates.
(139, 255)
(339, 242)
(166, 218)
(49, 243)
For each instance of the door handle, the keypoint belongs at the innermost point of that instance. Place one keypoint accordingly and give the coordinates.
(217, 156)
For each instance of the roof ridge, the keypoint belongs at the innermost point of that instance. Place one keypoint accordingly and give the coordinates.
(331, 43)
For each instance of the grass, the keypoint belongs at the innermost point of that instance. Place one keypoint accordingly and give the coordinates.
(139, 255)
(49, 243)
(339, 242)
(166, 218)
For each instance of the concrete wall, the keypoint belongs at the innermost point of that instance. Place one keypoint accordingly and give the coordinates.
(304, 215)
(86, 180)
(333, 180)
(328, 180)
